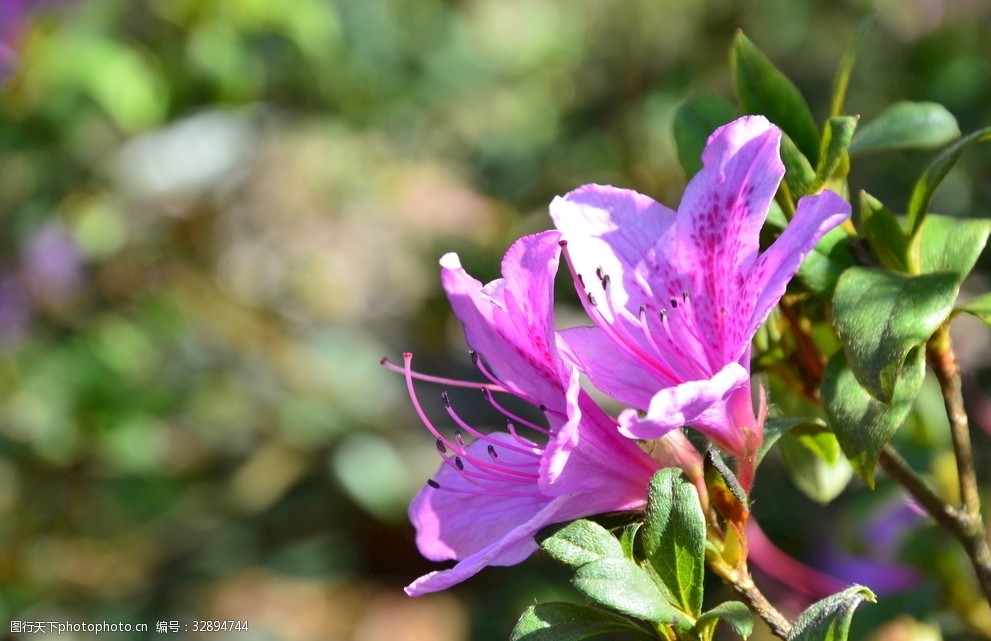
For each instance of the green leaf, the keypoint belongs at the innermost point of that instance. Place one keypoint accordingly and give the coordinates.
(629, 535)
(829, 619)
(736, 614)
(570, 622)
(826, 262)
(775, 428)
(842, 79)
(815, 465)
(948, 244)
(881, 316)
(935, 172)
(833, 159)
(673, 536)
(906, 125)
(763, 89)
(622, 585)
(979, 307)
(579, 542)
(884, 233)
(862, 423)
(694, 122)
(799, 175)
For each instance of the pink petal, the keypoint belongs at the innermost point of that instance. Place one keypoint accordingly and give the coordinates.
(461, 518)
(509, 320)
(815, 215)
(705, 405)
(718, 226)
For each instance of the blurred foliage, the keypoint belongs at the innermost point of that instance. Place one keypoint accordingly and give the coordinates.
(218, 215)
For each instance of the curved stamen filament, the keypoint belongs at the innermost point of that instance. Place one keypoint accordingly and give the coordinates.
(510, 415)
(528, 447)
(451, 382)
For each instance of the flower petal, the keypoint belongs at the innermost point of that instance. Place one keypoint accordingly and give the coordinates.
(460, 518)
(588, 455)
(704, 405)
(509, 320)
(719, 222)
(815, 215)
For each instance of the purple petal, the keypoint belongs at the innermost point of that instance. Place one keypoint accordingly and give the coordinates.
(461, 519)
(714, 406)
(613, 232)
(509, 320)
(609, 368)
(588, 455)
(718, 228)
(815, 215)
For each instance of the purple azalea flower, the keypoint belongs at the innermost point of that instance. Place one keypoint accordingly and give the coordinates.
(678, 296)
(491, 495)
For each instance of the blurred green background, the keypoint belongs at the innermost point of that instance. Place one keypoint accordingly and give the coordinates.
(217, 215)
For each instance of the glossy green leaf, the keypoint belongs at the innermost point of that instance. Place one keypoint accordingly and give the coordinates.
(815, 465)
(862, 423)
(885, 235)
(673, 537)
(622, 585)
(906, 125)
(763, 89)
(833, 159)
(775, 428)
(947, 244)
(800, 177)
(842, 79)
(579, 542)
(694, 122)
(736, 614)
(829, 619)
(882, 315)
(979, 307)
(570, 622)
(827, 261)
(935, 172)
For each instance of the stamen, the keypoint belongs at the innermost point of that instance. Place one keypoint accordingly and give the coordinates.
(446, 399)
(492, 451)
(459, 438)
(441, 447)
(513, 416)
(674, 303)
(598, 272)
(591, 298)
(459, 463)
(434, 484)
(392, 367)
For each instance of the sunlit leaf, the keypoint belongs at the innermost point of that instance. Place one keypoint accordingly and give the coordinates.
(906, 125)
(570, 622)
(833, 159)
(579, 542)
(829, 619)
(845, 69)
(622, 585)
(979, 307)
(815, 465)
(736, 614)
(947, 244)
(885, 235)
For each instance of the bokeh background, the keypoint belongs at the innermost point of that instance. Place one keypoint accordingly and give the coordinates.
(216, 216)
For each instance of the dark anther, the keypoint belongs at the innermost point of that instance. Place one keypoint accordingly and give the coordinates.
(447, 399)
(684, 295)
(598, 272)
(459, 463)
(664, 313)
(474, 356)
(487, 394)
(434, 484)
(591, 299)
(674, 302)
(581, 280)
(562, 243)
(441, 447)
(492, 451)
(643, 310)
(459, 438)
(542, 407)
(605, 281)
(383, 360)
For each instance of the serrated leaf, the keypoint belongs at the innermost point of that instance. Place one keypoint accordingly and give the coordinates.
(829, 619)
(827, 261)
(763, 89)
(694, 122)
(673, 537)
(622, 585)
(815, 465)
(882, 315)
(579, 542)
(979, 307)
(935, 172)
(885, 235)
(570, 622)
(906, 125)
(862, 423)
(833, 159)
(842, 79)
(948, 244)
(736, 614)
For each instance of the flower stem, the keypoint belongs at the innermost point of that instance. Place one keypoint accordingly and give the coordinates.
(743, 584)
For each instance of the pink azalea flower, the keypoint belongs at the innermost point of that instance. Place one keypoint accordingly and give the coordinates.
(491, 495)
(678, 296)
